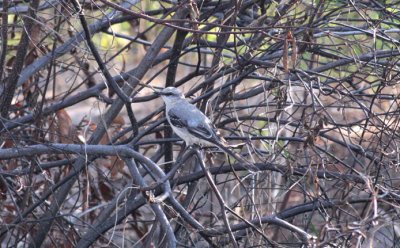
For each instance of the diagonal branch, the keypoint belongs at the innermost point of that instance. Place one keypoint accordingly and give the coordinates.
(11, 84)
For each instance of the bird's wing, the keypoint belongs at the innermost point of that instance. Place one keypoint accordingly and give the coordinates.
(176, 120)
(202, 131)
(194, 121)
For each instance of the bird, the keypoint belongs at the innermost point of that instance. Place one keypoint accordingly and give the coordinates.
(193, 126)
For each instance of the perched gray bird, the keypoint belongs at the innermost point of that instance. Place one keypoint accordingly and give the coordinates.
(191, 125)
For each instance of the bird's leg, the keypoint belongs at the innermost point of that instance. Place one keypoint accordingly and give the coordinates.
(186, 148)
(196, 149)
(181, 152)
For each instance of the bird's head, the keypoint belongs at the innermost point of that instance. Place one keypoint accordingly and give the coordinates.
(170, 94)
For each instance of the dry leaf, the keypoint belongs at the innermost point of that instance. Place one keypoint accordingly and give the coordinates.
(64, 126)
(106, 191)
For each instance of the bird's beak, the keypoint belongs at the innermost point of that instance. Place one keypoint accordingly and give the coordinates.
(158, 93)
